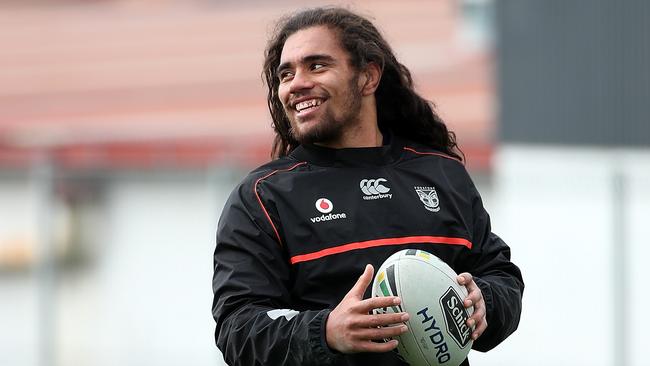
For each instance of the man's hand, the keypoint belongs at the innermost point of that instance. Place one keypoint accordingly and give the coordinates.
(477, 321)
(350, 328)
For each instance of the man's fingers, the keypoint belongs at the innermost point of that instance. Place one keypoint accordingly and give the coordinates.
(464, 278)
(376, 334)
(380, 320)
(477, 316)
(474, 294)
(362, 283)
(377, 302)
(477, 321)
(473, 297)
(479, 311)
(370, 346)
(479, 325)
(478, 328)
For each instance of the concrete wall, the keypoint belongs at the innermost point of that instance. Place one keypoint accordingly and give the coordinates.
(574, 72)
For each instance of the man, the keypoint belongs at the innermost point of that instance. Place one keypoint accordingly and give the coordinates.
(299, 238)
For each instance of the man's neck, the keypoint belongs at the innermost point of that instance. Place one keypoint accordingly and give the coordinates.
(364, 133)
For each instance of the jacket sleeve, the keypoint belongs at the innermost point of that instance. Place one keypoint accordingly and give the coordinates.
(498, 278)
(255, 321)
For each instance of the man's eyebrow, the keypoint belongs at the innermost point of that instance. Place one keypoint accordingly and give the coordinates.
(306, 59)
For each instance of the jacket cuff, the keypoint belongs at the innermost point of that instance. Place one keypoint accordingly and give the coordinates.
(318, 340)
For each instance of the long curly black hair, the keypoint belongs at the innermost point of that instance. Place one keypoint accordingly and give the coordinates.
(399, 108)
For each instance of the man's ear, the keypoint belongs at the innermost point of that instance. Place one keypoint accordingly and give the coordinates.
(370, 77)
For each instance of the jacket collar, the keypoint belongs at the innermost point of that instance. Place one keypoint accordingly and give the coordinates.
(389, 152)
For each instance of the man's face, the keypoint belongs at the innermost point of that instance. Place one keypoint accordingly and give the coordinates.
(318, 86)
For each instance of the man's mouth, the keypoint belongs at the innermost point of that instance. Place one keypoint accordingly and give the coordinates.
(307, 105)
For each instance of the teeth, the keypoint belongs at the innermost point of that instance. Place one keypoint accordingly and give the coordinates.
(307, 104)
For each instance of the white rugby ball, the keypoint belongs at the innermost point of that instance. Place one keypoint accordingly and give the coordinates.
(438, 333)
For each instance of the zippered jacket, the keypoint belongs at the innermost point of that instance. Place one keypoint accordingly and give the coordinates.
(296, 234)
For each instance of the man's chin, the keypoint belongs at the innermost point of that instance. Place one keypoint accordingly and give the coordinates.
(316, 136)
(307, 121)
(303, 129)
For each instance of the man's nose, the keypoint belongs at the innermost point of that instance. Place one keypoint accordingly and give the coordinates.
(301, 81)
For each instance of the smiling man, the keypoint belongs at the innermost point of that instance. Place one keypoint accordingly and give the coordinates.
(323, 94)
(363, 168)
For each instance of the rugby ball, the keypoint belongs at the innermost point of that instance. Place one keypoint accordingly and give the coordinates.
(438, 333)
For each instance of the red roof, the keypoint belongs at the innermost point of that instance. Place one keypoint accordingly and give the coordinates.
(148, 84)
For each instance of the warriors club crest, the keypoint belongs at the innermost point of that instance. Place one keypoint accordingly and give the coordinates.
(429, 197)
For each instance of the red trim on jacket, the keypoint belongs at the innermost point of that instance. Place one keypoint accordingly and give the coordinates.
(432, 153)
(266, 213)
(378, 243)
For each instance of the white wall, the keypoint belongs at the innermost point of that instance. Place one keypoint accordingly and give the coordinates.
(18, 292)
(145, 299)
(556, 207)
(151, 292)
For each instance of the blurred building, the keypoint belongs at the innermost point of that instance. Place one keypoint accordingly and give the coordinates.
(93, 88)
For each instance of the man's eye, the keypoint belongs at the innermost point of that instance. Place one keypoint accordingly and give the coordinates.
(286, 75)
(317, 66)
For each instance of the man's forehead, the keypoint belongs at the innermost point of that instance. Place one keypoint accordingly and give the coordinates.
(311, 41)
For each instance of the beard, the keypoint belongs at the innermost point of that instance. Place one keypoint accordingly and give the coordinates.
(332, 124)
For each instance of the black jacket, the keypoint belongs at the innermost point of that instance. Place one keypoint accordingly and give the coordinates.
(297, 233)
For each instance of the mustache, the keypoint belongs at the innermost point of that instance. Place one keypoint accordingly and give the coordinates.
(293, 100)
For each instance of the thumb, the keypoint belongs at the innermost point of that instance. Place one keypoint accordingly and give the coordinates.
(464, 278)
(364, 280)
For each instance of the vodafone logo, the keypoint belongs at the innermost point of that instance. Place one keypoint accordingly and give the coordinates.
(374, 189)
(324, 205)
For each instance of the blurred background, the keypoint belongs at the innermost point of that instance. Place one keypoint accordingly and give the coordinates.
(125, 124)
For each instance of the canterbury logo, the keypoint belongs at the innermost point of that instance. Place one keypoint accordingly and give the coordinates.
(374, 189)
